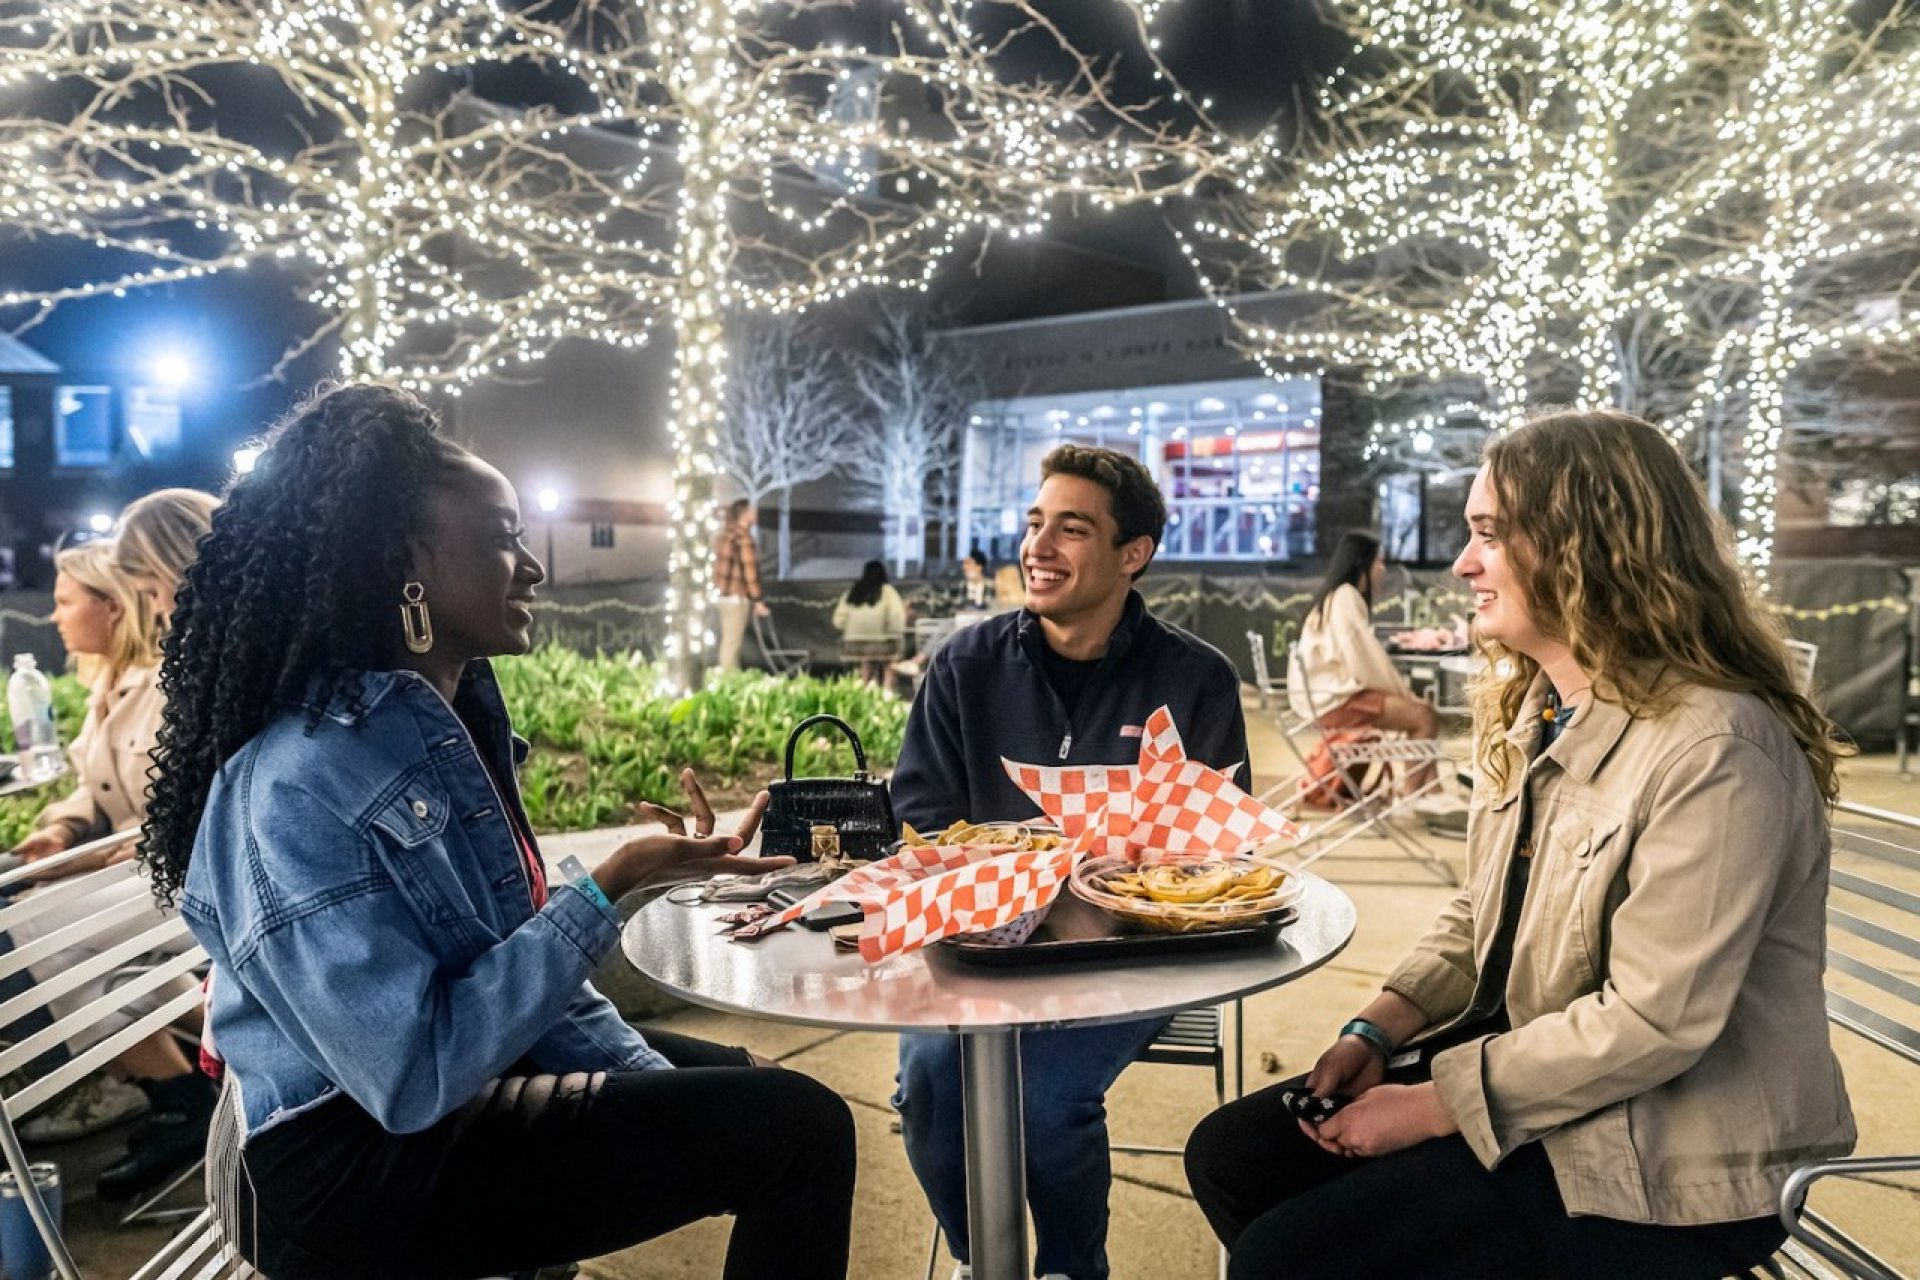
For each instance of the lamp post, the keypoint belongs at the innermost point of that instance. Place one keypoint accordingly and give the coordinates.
(548, 500)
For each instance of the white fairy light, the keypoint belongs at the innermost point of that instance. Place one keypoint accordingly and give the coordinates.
(1672, 207)
(447, 240)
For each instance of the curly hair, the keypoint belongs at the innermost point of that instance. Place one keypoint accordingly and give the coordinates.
(1622, 558)
(295, 590)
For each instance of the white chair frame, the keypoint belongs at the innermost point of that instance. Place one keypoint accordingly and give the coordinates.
(1803, 657)
(781, 659)
(1373, 811)
(200, 1237)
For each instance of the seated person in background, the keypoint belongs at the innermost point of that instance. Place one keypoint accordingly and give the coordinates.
(974, 592)
(157, 539)
(1620, 1022)
(1338, 667)
(430, 1086)
(968, 601)
(108, 626)
(108, 623)
(871, 618)
(1071, 679)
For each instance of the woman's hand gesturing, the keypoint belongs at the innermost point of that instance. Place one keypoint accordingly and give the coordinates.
(676, 855)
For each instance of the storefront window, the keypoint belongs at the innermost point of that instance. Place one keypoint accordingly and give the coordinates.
(83, 427)
(1239, 462)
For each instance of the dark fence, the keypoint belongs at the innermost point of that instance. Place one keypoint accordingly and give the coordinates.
(1858, 612)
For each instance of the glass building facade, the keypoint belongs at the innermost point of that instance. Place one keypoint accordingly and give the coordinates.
(1238, 460)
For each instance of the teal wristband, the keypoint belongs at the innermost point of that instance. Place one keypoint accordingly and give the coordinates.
(577, 873)
(1372, 1034)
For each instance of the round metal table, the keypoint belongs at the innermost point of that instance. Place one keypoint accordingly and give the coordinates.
(798, 975)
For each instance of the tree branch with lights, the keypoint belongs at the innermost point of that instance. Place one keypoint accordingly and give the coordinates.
(788, 419)
(1672, 208)
(913, 392)
(703, 158)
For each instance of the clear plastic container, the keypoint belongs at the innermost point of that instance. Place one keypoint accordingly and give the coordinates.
(30, 704)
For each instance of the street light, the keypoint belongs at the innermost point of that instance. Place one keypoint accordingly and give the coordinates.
(170, 368)
(548, 500)
(100, 522)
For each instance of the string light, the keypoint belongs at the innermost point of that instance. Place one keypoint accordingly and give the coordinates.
(1674, 208)
(448, 240)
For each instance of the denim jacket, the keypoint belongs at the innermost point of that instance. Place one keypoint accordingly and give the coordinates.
(370, 917)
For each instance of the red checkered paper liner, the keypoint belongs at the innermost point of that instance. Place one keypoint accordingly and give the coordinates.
(1163, 805)
(925, 893)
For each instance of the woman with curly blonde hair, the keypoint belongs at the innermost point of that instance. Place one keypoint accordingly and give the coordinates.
(1611, 1048)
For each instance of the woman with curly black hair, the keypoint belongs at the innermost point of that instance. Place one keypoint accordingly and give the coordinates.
(428, 1083)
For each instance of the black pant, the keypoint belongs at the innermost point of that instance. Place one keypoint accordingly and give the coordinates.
(1285, 1207)
(544, 1170)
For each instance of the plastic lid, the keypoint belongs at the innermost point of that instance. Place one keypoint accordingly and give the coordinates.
(24, 662)
(45, 1176)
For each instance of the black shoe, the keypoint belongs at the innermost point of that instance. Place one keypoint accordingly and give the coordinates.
(175, 1137)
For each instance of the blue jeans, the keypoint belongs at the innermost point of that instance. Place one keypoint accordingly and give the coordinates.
(1064, 1076)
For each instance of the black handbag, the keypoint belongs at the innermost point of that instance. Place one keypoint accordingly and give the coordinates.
(859, 807)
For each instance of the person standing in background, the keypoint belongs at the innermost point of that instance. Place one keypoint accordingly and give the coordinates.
(736, 580)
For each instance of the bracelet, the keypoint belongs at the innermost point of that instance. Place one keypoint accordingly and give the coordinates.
(1371, 1033)
(574, 871)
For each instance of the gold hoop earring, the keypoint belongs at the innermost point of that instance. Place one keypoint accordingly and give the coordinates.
(416, 624)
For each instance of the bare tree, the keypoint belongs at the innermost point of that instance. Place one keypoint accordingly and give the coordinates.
(788, 421)
(914, 393)
(437, 239)
(1669, 208)
(766, 160)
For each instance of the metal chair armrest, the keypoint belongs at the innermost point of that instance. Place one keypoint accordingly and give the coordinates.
(1793, 1200)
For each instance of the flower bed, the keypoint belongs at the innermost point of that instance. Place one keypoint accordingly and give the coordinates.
(606, 736)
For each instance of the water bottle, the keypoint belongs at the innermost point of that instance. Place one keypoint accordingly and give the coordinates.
(22, 1250)
(30, 703)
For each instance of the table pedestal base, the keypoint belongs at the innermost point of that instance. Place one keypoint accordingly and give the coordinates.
(996, 1154)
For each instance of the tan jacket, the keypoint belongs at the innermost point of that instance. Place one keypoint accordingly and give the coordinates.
(1670, 1044)
(1337, 655)
(110, 758)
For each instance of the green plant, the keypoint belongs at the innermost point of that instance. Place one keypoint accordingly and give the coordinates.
(18, 812)
(607, 733)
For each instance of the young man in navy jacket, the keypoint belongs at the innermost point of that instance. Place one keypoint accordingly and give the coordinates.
(1069, 679)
